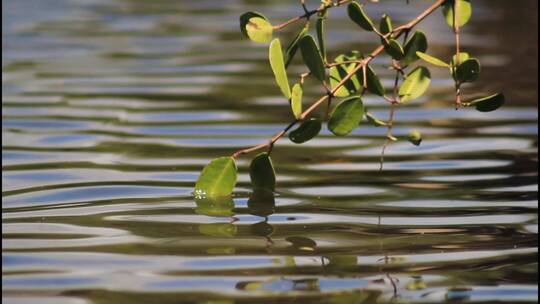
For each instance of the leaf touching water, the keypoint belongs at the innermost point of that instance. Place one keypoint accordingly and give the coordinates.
(217, 179)
(261, 172)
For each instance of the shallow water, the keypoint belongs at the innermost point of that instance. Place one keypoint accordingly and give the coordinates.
(111, 108)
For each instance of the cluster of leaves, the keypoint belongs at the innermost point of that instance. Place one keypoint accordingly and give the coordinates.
(349, 76)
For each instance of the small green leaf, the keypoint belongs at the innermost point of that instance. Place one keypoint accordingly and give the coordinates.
(394, 49)
(374, 84)
(415, 85)
(346, 116)
(433, 60)
(417, 43)
(257, 27)
(296, 100)
(375, 121)
(216, 207)
(261, 172)
(312, 57)
(244, 20)
(217, 178)
(337, 73)
(464, 14)
(385, 26)
(295, 44)
(463, 56)
(414, 137)
(307, 130)
(321, 37)
(357, 14)
(468, 71)
(278, 67)
(489, 103)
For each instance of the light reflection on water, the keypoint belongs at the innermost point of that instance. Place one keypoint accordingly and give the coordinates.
(111, 108)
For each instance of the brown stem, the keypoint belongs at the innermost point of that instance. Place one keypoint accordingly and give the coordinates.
(398, 32)
(458, 51)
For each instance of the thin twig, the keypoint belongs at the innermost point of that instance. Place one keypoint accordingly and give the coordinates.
(308, 14)
(397, 32)
(458, 51)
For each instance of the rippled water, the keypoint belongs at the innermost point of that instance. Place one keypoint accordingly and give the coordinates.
(111, 108)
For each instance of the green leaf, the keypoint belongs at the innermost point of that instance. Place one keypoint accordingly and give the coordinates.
(256, 27)
(312, 57)
(321, 36)
(415, 137)
(337, 73)
(307, 130)
(216, 207)
(489, 103)
(278, 67)
(416, 83)
(296, 100)
(357, 14)
(394, 49)
(261, 202)
(385, 26)
(417, 43)
(295, 44)
(375, 121)
(464, 14)
(374, 84)
(463, 56)
(468, 71)
(261, 172)
(433, 60)
(217, 179)
(346, 116)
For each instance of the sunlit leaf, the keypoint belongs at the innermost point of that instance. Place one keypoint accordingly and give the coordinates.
(295, 44)
(415, 85)
(375, 121)
(321, 37)
(468, 71)
(312, 57)
(357, 14)
(394, 49)
(433, 60)
(307, 130)
(414, 137)
(261, 172)
(346, 116)
(464, 13)
(417, 43)
(296, 100)
(337, 73)
(278, 67)
(489, 103)
(255, 26)
(217, 179)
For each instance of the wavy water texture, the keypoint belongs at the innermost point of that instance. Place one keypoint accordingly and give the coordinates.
(111, 108)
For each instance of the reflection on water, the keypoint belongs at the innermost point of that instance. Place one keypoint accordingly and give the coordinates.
(111, 108)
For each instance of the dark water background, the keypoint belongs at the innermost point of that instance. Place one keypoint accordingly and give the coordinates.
(110, 108)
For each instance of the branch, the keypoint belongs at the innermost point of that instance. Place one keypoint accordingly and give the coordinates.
(397, 32)
(308, 14)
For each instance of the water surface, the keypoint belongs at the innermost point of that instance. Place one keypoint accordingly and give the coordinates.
(111, 108)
